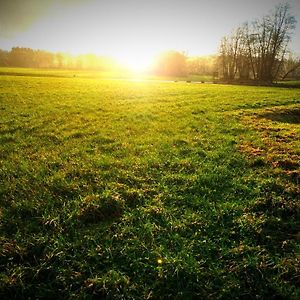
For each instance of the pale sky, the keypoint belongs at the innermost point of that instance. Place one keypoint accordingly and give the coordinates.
(129, 28)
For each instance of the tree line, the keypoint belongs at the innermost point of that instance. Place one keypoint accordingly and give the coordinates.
(169, 63)
(259, 50)
(29, 58)
(175, 63)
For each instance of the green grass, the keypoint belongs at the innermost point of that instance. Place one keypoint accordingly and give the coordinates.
(118, 189)
(289, 83)
(39, 72)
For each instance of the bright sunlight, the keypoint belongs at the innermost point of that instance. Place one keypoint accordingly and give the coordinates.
(136, 61)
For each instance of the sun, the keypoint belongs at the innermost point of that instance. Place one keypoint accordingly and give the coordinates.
(136, 61)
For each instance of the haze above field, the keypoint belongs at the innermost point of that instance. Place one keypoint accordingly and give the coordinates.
(130, 30)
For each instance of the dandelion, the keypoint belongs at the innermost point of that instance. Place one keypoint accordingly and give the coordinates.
(159, 261)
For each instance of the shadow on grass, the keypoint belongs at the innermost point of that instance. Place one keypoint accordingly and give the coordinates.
(291, 116)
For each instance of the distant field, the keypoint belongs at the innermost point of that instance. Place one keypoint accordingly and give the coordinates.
(98, 74)
(117, 189)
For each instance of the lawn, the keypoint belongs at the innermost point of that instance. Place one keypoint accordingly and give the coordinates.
(119, 189)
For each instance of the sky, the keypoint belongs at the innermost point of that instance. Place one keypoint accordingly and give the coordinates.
(129, 29)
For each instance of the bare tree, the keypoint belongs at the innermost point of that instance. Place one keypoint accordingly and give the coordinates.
(230, 50)
(291, 66)
(273, 33)
(258, 49)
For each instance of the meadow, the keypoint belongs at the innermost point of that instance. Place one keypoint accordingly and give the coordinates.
(122, 189)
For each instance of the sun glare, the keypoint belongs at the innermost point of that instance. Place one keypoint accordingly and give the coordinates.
(137, 62)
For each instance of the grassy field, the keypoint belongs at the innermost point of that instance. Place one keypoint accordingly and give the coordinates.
(100, 74)
(115, 189)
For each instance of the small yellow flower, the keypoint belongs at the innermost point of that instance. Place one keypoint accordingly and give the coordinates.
(159, 261)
